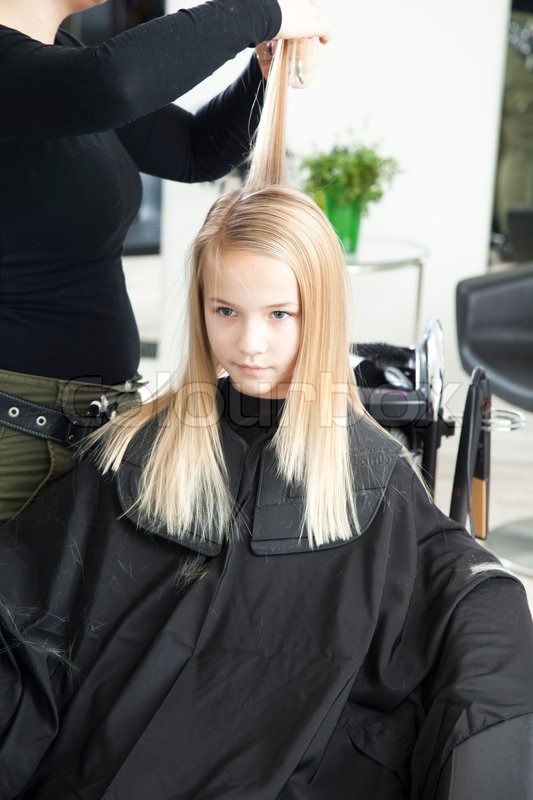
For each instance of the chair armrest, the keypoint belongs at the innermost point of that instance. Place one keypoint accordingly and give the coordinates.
(493, 764)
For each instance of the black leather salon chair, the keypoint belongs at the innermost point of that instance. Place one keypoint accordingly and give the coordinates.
(495, 331)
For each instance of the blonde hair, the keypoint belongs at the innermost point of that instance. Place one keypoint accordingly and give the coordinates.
(185, 480)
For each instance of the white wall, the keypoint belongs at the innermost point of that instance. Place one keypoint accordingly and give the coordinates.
(424, 79)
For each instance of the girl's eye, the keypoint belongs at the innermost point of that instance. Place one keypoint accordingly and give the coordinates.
(224, 311)
(280, 314)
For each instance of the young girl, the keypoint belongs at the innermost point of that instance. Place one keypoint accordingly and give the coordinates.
(251, 597)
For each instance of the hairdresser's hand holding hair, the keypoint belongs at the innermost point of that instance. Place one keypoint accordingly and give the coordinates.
(246, 592)
(297, 15)
(301, 19)
(77, 124)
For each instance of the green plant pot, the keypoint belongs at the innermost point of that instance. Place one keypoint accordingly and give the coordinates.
(345, 218)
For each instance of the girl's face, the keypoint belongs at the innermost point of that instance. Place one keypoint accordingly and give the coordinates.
(253, 319)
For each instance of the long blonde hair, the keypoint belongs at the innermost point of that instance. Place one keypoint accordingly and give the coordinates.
(185, 481)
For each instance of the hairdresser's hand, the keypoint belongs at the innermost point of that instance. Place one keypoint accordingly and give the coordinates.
(300, 19)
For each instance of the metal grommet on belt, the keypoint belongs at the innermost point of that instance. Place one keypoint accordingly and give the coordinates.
(41, 421)
(98, 407)
(13, 412)
(95, 408)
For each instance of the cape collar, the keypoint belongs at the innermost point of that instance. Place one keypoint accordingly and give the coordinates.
(277, 519)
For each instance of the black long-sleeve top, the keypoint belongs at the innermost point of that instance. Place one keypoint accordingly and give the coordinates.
(76, 126)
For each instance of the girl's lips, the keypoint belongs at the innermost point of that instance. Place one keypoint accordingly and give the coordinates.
(250, 369)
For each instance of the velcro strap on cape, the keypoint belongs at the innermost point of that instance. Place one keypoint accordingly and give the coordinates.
(278, 519)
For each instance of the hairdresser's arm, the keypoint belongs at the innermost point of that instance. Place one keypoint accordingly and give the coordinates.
(176, 144)
(49, 90)
(173, 143)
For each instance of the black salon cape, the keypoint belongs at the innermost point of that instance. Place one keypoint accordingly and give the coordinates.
(346, 673)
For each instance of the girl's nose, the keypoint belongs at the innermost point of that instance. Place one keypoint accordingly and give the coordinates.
(252, 340)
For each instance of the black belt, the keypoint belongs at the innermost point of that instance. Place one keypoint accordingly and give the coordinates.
(49, 423)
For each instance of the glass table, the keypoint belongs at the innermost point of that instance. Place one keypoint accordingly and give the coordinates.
(378, 255)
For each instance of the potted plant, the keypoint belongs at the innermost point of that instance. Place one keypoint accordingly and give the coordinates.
(344, 181)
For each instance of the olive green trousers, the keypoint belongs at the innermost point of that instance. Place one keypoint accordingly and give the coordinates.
(30, 463)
